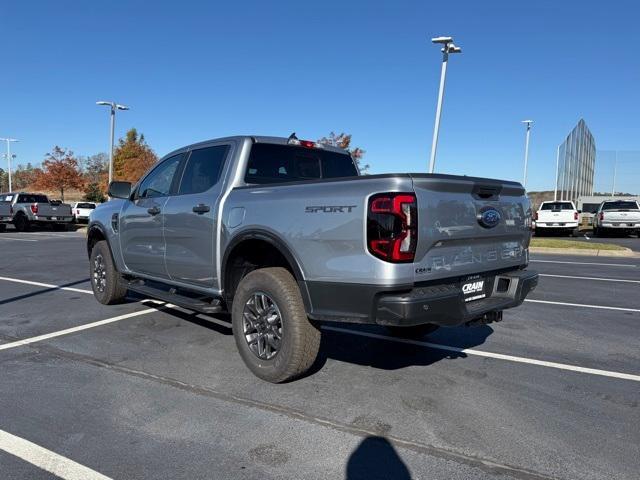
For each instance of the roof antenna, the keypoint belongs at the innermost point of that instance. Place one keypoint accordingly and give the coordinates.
(292, 137)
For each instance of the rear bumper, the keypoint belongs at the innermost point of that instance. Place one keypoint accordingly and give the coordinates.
(440, 303)
(621, 225)
(445, 305)
(551, 226)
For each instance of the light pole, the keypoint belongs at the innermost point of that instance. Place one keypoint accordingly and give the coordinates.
(447, 47)
(8, 155)
(615, 167)
(114, 106)
(526, 151)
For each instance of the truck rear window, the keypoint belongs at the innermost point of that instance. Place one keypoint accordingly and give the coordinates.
(31, 198)
(621, 205)
(272, 163)
(557, 206)
(86, 205)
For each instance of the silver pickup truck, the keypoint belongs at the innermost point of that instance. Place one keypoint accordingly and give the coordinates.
(29, 209)
(285, 233)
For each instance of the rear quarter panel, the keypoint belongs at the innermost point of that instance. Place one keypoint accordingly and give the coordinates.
(322, 225)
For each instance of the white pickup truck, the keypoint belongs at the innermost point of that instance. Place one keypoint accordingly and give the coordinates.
(557, 216)
(617, 215)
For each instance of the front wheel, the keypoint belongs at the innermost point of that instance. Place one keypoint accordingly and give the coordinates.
(415, 331)
(108, 285)
(273, 334)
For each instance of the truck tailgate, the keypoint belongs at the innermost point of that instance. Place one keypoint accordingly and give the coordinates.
(48, 210)
(469, 225)
(5, 210)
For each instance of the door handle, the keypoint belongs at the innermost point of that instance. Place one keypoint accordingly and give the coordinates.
(201, 208)
(153, 210)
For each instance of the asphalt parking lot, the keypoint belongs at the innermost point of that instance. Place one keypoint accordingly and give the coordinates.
(143, 391)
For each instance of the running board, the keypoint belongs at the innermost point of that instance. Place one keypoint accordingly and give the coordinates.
(199, 304)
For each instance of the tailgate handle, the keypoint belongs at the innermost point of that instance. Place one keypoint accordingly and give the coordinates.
(487, 192)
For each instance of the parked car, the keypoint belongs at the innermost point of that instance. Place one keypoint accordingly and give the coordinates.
(28, 209)
(283, 233)
(556, 217)
(81, 211)
(622, 216)
(5, 213)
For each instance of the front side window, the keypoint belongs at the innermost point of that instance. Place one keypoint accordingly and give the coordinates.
(158, 182)
(203, 169)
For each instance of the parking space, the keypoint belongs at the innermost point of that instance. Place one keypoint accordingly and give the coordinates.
(146, 390)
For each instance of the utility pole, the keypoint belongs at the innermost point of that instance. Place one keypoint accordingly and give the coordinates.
(448, 47)
(9, 157)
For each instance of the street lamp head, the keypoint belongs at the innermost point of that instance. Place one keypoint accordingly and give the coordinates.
(443, 40)
(102, 102)
(122, 107)
(452, 48)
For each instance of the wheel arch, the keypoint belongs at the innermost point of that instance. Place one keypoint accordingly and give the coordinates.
(270, 242)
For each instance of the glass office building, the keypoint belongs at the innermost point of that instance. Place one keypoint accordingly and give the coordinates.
(575, 164)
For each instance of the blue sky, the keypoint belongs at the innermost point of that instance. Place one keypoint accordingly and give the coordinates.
(197, 70)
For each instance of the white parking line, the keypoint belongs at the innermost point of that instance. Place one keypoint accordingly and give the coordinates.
(589, 278)
(47, 285)
(499, 356)
(587, 263)
(59, 333)
(600, 307)
(3, 237)
(47, 460)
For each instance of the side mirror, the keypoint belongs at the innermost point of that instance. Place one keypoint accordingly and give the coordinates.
(120, 189)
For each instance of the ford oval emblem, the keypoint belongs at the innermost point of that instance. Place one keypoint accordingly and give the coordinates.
(489, 217)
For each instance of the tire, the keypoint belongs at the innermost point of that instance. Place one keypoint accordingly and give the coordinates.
(596, 232)
(108, 285)
(3, 227)
(299, 340)
(415, 331)
(537, 232)
(21, 223)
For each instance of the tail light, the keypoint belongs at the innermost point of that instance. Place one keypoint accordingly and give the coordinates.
(575, 215)
(11, 209)
(535, 216)
(34, 208)
(601, 216)
(392, 227)
(77, 212)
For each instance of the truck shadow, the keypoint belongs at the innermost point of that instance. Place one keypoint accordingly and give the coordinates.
(390, 353)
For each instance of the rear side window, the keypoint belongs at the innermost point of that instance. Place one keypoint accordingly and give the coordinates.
(621, 205)
(28, 198)
(557, 206)
(272, 163)
(203, 169)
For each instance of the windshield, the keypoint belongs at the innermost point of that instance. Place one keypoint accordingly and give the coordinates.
(557, 206)
(272, 163)
(620, 205)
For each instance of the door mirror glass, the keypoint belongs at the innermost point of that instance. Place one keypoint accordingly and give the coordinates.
(120, 189)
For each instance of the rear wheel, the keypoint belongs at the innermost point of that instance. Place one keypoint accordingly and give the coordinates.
(108, 285)
(275, 338)
(3, 227)
(21, 223)
(415, 331)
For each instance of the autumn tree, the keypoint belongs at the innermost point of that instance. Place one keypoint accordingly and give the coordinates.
(132, 157)
(343, 140)
(24, 176)
(60, 171)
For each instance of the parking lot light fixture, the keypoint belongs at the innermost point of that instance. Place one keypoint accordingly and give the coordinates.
(113, 107)
(447, 47)
(528, 123)
(9, 156)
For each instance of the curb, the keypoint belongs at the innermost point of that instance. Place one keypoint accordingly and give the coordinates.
(627, 252)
